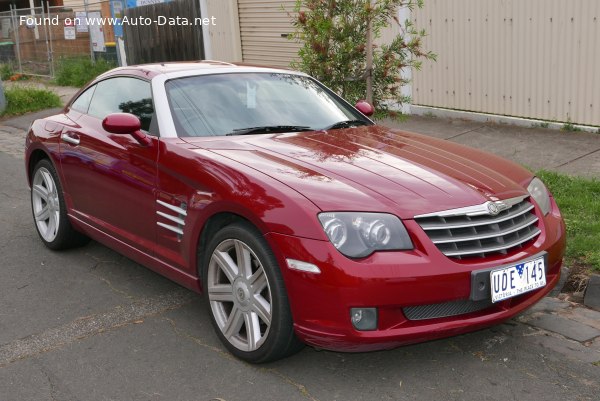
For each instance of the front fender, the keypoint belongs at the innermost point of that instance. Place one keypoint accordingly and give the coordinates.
(41, 143)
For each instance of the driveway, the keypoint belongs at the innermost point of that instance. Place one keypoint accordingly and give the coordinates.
(89, 324)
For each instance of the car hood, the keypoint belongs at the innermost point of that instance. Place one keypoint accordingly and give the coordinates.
(373, 168)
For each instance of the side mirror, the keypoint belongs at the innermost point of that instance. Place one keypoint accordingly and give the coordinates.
(125, 124)
(365, 107)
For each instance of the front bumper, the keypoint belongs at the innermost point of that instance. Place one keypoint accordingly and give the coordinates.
(391, 281)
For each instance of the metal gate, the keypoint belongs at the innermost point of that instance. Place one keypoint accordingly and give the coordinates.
(34, 40)
(25, 45)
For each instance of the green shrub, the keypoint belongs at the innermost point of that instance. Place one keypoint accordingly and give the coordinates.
(80, 70)
(6, 71)
(21, 100)
(333, 49)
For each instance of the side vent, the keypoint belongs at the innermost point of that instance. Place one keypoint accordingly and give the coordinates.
(175, 215)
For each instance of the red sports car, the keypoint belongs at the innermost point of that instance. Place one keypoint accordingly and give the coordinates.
(301, 220)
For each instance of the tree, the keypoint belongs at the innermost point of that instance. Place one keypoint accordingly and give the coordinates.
(333, 34)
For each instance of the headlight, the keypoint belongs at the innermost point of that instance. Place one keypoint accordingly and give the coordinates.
(357, 235)
(540, 194)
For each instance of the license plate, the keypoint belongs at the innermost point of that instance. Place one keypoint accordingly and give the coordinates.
(511, 281)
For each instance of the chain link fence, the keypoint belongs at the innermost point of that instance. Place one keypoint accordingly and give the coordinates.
(34, 41)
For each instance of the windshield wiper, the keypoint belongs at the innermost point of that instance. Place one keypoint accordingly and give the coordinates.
(346, 124)
(267, 129)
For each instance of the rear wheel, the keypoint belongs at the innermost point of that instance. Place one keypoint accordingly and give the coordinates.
(49, 210)
(246, 296)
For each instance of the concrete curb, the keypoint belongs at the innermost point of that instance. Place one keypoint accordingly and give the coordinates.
(564, 274)
(495, 118)
(592, 293)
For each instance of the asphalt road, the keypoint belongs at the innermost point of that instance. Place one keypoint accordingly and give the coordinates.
(89, 324)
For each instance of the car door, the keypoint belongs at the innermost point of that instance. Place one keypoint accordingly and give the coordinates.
(110, 178)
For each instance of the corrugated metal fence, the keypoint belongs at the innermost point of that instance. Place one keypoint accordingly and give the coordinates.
(527, 58)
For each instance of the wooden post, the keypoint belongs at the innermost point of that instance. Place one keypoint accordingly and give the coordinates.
(92, 57)
(369, 71)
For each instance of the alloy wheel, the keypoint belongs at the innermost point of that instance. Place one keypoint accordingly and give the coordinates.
(46, 204)
(239, 295)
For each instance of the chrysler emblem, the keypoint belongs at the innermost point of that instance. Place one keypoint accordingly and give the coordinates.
(493, 209)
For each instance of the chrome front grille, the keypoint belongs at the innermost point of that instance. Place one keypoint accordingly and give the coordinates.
(482, 230)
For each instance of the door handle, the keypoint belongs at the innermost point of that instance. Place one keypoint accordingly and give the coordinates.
(71, 138)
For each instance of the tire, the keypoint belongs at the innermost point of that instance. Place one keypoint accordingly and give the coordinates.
(49, 209)
(249, 307)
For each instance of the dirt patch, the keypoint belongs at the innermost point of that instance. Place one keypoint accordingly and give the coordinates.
(576, 283)
(577, 279)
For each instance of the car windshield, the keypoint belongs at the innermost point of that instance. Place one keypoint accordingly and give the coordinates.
(245, 103)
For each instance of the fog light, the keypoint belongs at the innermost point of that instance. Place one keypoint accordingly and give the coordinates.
(364, 318)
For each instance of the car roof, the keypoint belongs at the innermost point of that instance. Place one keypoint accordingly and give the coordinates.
(192, 67)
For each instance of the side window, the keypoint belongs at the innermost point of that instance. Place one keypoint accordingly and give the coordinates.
(82, 103)
(123, 95)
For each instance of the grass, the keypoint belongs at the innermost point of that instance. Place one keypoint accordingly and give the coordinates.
(80, 70)
(20, 100)
(543, 124)
(569, 126)
(579, 201)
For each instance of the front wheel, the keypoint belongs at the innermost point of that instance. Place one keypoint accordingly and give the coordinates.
(49, 209)
(247, 300)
